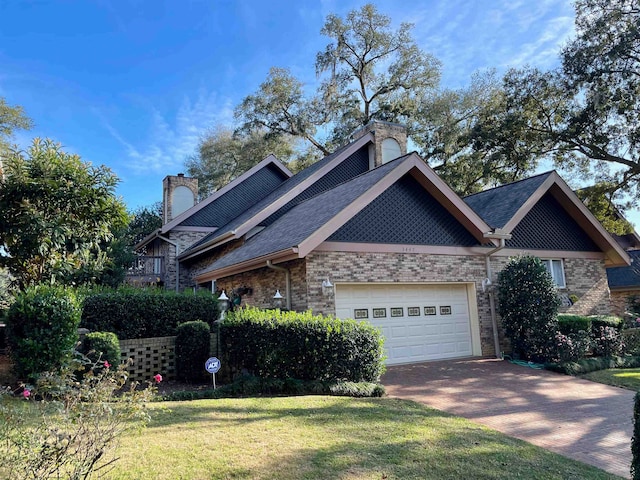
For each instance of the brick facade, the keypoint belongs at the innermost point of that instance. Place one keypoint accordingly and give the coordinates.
(620, 300)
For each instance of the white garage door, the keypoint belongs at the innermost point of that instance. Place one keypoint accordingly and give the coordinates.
(419, 322)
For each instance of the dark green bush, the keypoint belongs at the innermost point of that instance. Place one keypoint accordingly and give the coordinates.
(528, 305)
(275, 344)
(599, 321)
(631, 339)
(248, 385)
(135, 313)
(102, 346)
(593, 364)
(42, 329)
(608, 342)
(192, 350)
(568, 324)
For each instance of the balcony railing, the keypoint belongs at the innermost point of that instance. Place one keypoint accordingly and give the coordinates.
(146, 270)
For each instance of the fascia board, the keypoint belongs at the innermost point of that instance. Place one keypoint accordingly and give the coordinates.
(229, 186)
(252, 264)
(290, 195)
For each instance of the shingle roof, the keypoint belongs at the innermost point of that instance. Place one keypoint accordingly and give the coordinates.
(498, 205)
(626, 277)
(301, 221)
(281, 190)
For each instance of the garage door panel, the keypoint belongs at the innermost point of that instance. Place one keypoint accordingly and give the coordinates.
(445, 334)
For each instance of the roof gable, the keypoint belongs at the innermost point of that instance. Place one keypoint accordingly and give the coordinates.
(547, 226)
(243, 188)
(506, 206)
(232, 203)
(280, 197)
(299, 231)
(405, 214)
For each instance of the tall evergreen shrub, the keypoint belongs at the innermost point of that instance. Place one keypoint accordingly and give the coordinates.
(528, 306)
(192, 350)
(42, 329)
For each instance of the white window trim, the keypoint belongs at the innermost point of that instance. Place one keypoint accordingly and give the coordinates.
(562, 282)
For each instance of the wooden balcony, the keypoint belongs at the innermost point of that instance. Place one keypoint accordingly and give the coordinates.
(146, 270)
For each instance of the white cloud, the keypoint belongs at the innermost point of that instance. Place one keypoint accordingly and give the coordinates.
(171, 140)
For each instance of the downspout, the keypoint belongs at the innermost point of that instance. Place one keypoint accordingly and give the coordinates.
(287, 274)
(503, 237)
(171, 242)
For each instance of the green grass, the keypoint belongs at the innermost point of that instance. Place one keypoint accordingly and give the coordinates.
(318, 437)
(618, 377)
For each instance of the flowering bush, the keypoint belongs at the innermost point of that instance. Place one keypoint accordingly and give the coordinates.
(67, 428)
(608, 342)
(571, 347)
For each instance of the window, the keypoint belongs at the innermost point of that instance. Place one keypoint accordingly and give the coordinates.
(556, 269)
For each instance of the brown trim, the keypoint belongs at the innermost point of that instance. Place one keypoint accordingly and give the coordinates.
(625, 289)
(414, 165)
(550, 254)
(556, 186)
(195, 229)
(211, 244)
(275, 206)
(252, 264)
(400, 248)
(294, 192)
(229, 186)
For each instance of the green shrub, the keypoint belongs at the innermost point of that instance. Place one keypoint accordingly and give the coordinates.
(571, 347)
(635, 441)
(608, 342)
(135, 313)
(102, 346)
(631, 339)
(275, 344)
(192, 350)
(528, 305)
(42, 329)
(568, 324)
(599, 321)
(248, 385)
(586, 365)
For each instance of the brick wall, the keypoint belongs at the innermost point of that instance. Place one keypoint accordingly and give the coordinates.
(184, 240)
(149, 356)
(587, 279)
(620, 299)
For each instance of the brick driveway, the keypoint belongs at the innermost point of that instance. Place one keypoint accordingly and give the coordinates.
(587, 421)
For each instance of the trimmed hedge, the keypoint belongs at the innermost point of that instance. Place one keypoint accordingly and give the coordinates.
(192, 350)
(593, 364)
(276, 344)
(135, 313)
(42, 329)
(592, 323)
(103, 346)
(250, 386)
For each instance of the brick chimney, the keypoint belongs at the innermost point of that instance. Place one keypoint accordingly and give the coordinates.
(179, 194)
(390, 141)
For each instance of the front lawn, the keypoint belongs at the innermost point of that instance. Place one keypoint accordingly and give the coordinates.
(618, 377)
(318, 437)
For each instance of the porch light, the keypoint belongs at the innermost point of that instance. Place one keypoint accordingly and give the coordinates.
(277, 299)
(327, 287)
(224, 304)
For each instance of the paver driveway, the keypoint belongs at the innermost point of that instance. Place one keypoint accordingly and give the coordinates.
(587, 421)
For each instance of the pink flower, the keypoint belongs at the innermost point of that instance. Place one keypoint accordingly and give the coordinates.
(106, 364)
(26, 393)
(157, 378)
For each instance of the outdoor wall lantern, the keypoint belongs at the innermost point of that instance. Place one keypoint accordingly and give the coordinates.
(327, 287)
(224, 304)
(277, 299)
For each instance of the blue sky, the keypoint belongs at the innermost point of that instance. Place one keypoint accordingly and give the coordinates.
(132, 84)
